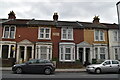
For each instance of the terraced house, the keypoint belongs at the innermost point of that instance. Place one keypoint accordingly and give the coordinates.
(63, 41)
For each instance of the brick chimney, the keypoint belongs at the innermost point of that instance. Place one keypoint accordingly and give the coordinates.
(55, 17)
(96, 19)
(11, 15)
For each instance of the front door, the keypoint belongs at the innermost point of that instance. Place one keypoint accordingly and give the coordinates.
(87, 54)
(81, 55)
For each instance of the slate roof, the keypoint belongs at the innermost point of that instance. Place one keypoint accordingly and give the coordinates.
(73, 24)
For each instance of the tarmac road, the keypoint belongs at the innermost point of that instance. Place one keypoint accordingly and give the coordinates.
(8, 75)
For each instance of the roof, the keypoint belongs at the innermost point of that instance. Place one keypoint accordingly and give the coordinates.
(111, 26)
(93, 25)
(73, 24)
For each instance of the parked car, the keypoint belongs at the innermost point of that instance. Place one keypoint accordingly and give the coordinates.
(106, 66)
(35, 66)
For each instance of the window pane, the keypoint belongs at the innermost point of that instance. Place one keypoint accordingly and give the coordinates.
(102, 56)
(12, 34)
(68, 50)
(102, 50)
(115, 62)
(41, 36)
(107, 62)
(69, 34)
(67, 56)
(43, 52)
(61, 56)
(96, 52)
(64, 36)
(12, 29)
(64, 31)
(6, 33)
(96, 35)
(101, 35)
(115, 36)
(47, 35)
(41, 30)
(47, 30)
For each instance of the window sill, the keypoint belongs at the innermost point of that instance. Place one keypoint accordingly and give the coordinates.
(68, 39)
(43, 39)
(67, 60)
(8, 38)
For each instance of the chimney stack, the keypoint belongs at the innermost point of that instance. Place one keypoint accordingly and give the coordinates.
(11, 15)
(96, 19)
(55, 17)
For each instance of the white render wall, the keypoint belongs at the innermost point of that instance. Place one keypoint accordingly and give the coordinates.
(112, 44)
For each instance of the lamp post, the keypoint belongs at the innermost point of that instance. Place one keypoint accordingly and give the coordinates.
(118, 12)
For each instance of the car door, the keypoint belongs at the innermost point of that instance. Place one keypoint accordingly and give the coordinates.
(30, 66)
(40, 66)
(106, 66)
(115, 66)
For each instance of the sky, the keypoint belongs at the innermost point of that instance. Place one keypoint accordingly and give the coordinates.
(68, 10)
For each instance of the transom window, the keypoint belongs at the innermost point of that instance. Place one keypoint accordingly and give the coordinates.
(9, 32)
(67, 34)
(99, 35)
(44, 33)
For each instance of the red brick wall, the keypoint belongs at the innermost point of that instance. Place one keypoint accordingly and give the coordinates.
(29, 33)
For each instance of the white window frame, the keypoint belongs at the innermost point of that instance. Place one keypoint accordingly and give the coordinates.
(63, 53)
(67, 33)
(116, 36)
(9, 31)
(103, 52)
(48, 54)
(44, 34)
(99, 35)
(9, 44)
(118, 51)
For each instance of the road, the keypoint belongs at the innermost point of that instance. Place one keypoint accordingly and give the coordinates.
(8, 75)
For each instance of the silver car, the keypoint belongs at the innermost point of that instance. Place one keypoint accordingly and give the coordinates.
(106, 66)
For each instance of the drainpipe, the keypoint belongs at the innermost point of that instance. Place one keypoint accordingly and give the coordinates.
(108, 44)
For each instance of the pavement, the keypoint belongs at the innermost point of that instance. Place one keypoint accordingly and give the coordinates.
(57, 70)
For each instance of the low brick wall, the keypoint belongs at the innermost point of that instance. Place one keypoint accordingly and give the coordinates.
(8, 62)
(66, 65)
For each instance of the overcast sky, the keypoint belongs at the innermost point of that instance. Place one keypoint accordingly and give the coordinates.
(68, 10)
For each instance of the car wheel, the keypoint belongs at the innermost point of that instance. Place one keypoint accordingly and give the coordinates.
(47, 71)
(98, 71)
(19, 70)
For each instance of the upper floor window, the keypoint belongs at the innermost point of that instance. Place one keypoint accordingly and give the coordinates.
(99, 35)
(9, 32)
(44, 33)
(116, 36)
(67, 34)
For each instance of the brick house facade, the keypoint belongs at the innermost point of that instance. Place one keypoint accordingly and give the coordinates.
(65, 41)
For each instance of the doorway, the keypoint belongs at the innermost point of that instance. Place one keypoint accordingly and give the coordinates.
(87, 54)
(29, 53)
(81, 55)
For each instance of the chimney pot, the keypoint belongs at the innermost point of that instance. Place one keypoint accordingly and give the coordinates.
(11, 15)
(96, 19)
(55, 17)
